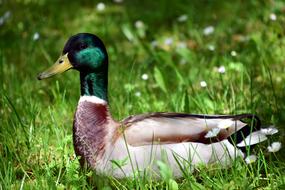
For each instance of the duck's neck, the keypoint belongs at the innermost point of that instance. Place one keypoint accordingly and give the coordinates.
(94, 84)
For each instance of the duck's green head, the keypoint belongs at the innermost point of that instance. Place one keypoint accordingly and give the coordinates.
(83, 52)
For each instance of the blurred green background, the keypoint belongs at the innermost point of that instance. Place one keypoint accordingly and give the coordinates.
(159, 53)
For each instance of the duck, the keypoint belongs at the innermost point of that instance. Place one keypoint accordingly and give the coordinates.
(138, 142)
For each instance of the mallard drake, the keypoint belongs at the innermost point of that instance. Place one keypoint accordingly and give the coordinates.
(139, 140)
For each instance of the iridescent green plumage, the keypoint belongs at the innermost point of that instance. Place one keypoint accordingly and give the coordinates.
(87, 54)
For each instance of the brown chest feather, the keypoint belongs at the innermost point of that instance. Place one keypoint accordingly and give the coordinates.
(89, 130)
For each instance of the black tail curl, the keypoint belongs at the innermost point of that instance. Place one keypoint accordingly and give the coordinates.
(240, 135)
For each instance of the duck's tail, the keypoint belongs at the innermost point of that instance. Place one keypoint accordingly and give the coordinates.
(251, 134)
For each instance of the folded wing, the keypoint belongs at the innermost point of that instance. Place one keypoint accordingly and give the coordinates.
(166, 128)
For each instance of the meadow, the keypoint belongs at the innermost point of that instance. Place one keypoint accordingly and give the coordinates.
(207, 57)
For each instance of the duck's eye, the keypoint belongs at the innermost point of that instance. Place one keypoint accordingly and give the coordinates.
(82, 46)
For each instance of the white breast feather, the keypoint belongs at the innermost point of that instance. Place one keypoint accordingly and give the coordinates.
(144, 157)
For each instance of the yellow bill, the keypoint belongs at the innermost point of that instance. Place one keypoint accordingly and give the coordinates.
(61, 65)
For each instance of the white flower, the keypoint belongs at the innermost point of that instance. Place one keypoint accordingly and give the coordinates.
(222, 69)
(250, 159)
(139, 24)
(211, 47)
(233, 53)
(7, 15)
(182, 61)
(168, 41)
(1, 21)
(118, 1)
(274, 147)
(213, 133)
(181, 45)
(272, 16)
(154, 43)
(144, 76)
(182, 18)
(138, 94)
(203, 84)
(100, 6)
(269, 131)
(226, 123)
(36, 36)
(208, 30)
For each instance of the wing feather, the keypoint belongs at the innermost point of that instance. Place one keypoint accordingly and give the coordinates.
(166, 128)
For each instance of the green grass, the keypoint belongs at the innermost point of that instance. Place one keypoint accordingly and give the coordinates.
(36, 150)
